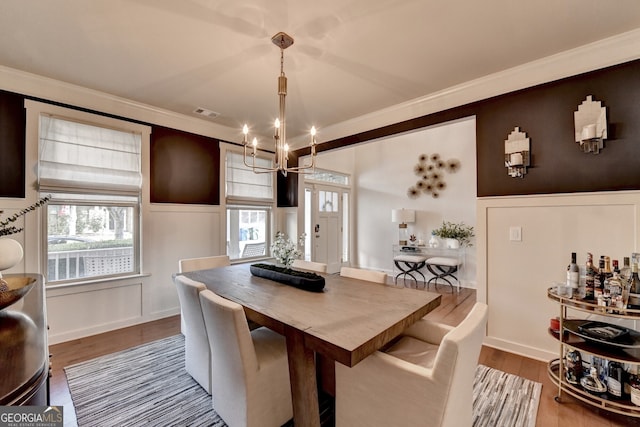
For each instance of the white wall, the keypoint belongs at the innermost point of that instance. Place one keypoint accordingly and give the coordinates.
(382, 171)
(513, 277)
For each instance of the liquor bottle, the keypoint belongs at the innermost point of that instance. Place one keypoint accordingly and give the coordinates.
(590, 277)
(573, 273)
(616, 266)
(615, 380)
(598, 280)
(573, 365)
(634, 385)
(634, 280)
(607, 267)
(625, 271)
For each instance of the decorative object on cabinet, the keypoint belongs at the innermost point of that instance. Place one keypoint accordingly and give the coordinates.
(431, 170)
(579, 347)
(517, 153)
(11, 252)
(12, 289)
(591, 125)
(403, 217)
(458, 234)
(6, 227)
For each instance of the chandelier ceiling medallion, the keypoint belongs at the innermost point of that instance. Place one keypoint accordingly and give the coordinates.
(281, 156)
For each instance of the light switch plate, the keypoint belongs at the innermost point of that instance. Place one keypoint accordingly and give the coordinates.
(515, 233)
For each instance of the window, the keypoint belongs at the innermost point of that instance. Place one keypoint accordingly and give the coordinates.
(93, 173)
(250, 199)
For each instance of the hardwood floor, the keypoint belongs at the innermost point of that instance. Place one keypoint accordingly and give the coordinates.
(453, 309)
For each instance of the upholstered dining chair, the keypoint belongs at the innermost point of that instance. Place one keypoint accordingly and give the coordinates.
(424, 379)
(251, 384)
(318, 267)
(197, 357)
(369, 275)
(201, 263)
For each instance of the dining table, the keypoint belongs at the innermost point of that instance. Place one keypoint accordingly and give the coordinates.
(345, 322)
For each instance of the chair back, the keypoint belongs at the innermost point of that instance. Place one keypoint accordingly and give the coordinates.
(233, 357)
(203, 263)
(197, 352)
(456, 362)
(368, 275)
(318, 267)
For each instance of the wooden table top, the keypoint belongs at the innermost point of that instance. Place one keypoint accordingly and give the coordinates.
(346, 322)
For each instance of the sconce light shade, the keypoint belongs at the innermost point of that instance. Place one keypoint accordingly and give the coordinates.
(590, 125)
(403, 216)
(517, 153)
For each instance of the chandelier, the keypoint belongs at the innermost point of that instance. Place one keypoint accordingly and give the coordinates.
(281, 155)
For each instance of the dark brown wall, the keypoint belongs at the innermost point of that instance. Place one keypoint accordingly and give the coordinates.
(545, 113)
(12, 145)
(185, 168)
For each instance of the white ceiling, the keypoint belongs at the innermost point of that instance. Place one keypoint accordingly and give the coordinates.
(350, 57)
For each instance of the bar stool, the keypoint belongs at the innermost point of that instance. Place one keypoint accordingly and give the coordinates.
(409, 264)
(441, 268)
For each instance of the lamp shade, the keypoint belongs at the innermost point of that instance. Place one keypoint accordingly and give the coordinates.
(403, 216)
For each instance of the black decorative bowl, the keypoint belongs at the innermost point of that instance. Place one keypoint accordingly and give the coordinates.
(13, 289)
(299, 279)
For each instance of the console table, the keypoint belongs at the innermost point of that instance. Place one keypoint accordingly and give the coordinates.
(24, 352)
(442, 263)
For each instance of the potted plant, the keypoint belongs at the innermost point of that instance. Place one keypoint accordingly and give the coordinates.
(456, 234)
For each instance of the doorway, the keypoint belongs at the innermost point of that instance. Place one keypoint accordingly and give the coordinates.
(327, 224)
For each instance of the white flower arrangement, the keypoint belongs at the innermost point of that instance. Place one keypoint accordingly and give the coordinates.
(284, 250)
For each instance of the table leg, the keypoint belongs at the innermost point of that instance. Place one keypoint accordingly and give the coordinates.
(302, 373)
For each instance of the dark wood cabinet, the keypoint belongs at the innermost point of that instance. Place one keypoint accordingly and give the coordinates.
(24, 352)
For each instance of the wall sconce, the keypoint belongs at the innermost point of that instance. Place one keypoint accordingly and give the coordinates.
(591, 125)
(402, 217)
(516, 153)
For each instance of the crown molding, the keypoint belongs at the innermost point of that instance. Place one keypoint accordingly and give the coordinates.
(45, 88)
(600, 54)
(607, 52)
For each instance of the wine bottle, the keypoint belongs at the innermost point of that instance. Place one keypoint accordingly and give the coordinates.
(615, 380)
(573, 273)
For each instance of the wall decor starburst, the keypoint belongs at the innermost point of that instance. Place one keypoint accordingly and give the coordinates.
(431, 170)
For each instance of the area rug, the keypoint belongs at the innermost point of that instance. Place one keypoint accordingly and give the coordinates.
(148, 385)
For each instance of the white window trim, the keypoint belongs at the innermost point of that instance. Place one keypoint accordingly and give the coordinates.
(224, 148)
(37, 242)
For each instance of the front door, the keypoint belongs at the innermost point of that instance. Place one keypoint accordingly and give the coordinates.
(327, 227)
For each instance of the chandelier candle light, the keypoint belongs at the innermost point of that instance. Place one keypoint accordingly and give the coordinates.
(281, 157)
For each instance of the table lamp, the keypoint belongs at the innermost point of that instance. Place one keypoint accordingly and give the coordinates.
(403, 217)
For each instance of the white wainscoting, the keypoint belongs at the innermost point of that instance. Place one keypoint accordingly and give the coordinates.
(84, 310)
(513, 276)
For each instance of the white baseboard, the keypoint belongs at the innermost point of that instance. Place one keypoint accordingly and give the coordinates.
(521, 350)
